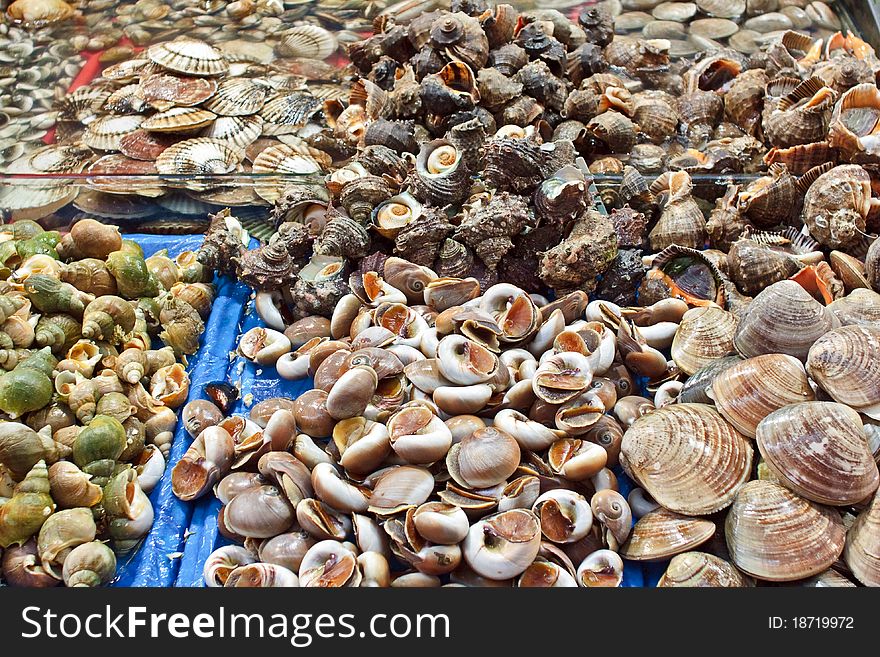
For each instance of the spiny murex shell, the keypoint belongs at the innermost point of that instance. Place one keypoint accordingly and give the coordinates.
(776, 535)
(688, 457)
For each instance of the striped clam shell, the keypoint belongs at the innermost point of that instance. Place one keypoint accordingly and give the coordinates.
(239, 97)
(284, 114)
(179, 119)
(164, 91)
(307, 41)
(199, 156)
(188, 56)
(125, 101)
(239, 131)
(105, 132)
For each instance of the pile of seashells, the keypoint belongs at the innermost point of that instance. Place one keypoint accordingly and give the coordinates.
(88, 405)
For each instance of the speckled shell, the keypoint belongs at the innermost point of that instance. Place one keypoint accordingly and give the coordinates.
(862, 551)
(845, 362)
(782, 319)
(773, 534)
(749, 390)
(836, 206)
(704, 335)
(661, 534)
(166, 91)
(688, 457)
(818, 449)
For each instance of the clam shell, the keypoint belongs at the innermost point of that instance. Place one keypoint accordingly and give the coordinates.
(286, 159)
(105, 132)
(200, 156)
(845, 362)
(700, 569)
(862, 551)
(748, 391)
(239, 97)
(165, 91)
(285, 114)
(722, 8)
(661, 534)
(188, 56)
(819, 450)
(782, 319)
(713, 28)
(704, 335)
(307, 41)
(861, 306)
(775, 535)
(238, 131)
(179, 119)
(688, 458)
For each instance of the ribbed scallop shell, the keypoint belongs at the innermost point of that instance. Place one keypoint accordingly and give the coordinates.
(702, 570)
(165, 91)
(749, 390)
(818, 449)
(284, 114)
(239, 97)
(188, 56)
(845, 362)
(308, 42)
(687, 457)
(782, 319)
(104, 133)
(238, 131)
(661, 534)
(179, 119)
(862, 551)
(704, 335)
(286, 159)
(200, 156)
(143, 145)
(776, 535)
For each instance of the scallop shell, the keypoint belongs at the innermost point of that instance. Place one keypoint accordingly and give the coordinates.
(704, 335)
(749, 390)
(700, 569)
(286, 113)
(143, 145)
(688, 458)
(166, 91)
(200, 156)
(188, 56)
(285, 160)
(239, 97)
(179, 119)
(773, 534)
(862, 551)
(126, 100)
(238, 131)
(845, 362)
(661, 534)
(105, 132)
(818, 449)
(307, 41)
(782, 319)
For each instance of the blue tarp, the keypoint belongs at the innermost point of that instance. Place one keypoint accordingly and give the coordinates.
(184, 534)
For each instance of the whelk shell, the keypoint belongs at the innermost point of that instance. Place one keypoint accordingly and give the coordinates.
(239, 97)
(687, 457)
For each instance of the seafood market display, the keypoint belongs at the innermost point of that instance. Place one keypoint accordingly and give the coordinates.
(88, 395)
(574, 289)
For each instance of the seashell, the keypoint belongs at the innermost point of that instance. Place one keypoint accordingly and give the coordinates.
(25, 512)
(441, 172)
(722, 8)
(166, 91)
(37, 14)
(89, 565)
(329, 564)
(681, 221)
(704, 335)
(747, 391)
(267, 267)
(238, 131)
(661, 534)
(850, 270)
(105, 133)
(307, 41)
(842, 362)
(284, 159)
(286, 113)
(701, 569)
(801, 116)
(861, 306)
(655, 117)
(516, 541)
(843, 473)
(803, 157)
(836, 206)
(860, 551)
(576, 459)
(782, 319)
(754, 266)
(677, 453)
(188, 56)
(744, 100)
(239, 97)
(200, 156)
(769, 201)
(854, 123)
(615, 130)
(773, 534)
